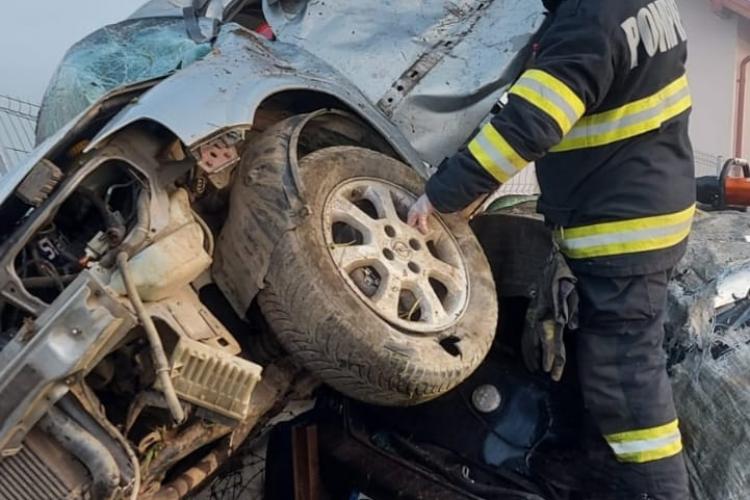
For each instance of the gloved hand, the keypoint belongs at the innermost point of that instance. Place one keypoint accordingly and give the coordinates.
(553, 307)
(419, 213)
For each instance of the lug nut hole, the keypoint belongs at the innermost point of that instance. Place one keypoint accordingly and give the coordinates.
(390, 231)
(415, 245)
(388, 254)
(413, 267)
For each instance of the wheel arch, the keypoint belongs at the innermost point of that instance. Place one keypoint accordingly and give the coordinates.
(195, 130)
(326, 110)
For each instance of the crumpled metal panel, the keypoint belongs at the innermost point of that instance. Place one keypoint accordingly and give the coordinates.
(437, 112)
(16, 174)
(448, 104)
(223, 91)
(371, 42)
(64, 137)
(435, 66)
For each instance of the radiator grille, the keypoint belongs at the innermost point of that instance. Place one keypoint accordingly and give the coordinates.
(25, 477)
(41, 471)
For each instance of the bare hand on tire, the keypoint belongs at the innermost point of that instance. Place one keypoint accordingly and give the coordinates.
(419, 214)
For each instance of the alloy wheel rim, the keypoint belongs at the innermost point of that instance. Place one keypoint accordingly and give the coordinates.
(415, 282)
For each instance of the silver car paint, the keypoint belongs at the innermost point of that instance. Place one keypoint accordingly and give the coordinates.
(224, 90)
(460, 51)
(359, 52)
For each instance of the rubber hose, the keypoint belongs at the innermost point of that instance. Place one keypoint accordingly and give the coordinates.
(95, 456)
(115, 229)
(161, 364)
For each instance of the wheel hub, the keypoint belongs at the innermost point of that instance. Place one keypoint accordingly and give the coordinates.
(415, 282)
(401, 250)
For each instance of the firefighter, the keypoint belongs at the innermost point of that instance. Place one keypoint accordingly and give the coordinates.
(603, 112)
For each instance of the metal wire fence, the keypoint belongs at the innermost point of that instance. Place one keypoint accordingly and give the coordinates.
(17, 124)
(525, 183)
(707, 163)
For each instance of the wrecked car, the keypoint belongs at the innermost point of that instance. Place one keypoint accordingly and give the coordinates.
(214, 221)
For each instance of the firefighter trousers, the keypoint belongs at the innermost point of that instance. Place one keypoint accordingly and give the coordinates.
(626, 391)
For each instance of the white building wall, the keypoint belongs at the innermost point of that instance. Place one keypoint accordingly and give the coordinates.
(712, 69)
(743, 51)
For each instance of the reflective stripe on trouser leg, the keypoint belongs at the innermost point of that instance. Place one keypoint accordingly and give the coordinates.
(646, 445)
(622, 370)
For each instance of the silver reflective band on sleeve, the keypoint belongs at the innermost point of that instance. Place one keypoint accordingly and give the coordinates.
(630, 120)
(550, 95)
(643, 116)
(498, 159)
(490, 149)
(555, 101)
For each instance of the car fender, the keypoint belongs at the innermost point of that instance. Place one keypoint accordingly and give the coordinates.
(69, 134)
(224, 90)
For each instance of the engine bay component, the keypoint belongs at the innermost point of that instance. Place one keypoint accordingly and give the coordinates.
(176, 258)
(186, 316)
(179, 446)
(161, 364)
(219, 154)
(87, 216)
(212, 379)
(90, 451)
(37, 363)
(40, 182)
(42, 469)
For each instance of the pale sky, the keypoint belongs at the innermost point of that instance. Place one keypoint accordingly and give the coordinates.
(34, 35)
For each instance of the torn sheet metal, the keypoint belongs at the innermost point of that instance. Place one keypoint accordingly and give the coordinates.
(444, 109)
(370, 41)
(428, 62)
(230, 83)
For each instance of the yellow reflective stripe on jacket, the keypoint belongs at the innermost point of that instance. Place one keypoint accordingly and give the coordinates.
(627, 236)
(631, 120)
(495, 155)
(552, 96)
(646, 445)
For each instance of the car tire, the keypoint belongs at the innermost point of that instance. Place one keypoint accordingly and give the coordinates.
(322, 314)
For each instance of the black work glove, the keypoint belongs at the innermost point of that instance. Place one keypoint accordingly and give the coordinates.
(553, 307)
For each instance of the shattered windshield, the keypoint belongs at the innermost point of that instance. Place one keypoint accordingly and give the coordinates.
(116, 55)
